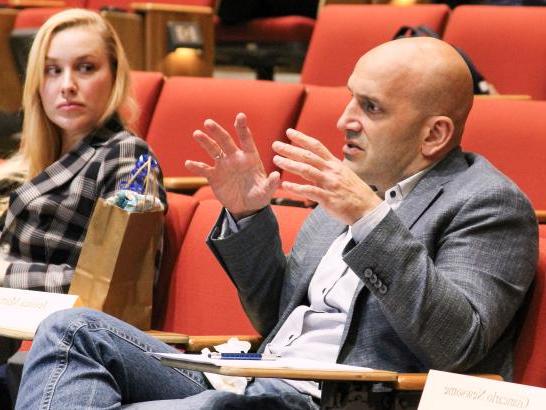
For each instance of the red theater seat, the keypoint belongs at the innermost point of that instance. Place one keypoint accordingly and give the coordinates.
(345, 32)
(506, 44)
(178, 217)
(185, 102)
(530, 355)
(146, 88)
(512, 135)
(202, 299)
(34, 17)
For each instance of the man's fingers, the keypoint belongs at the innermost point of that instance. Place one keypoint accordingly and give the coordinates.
(313, 193)
(207, 143)
(221, 136)
(198, 168)
(298, 154)
(244, 133)
(306, 171)
(309, 143)
(273, 182)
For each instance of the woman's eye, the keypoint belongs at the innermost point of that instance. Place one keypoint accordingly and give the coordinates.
(52, 70)
(86, 67)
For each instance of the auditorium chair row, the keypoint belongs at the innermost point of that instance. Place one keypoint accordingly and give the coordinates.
(506, 43)
(509, 133)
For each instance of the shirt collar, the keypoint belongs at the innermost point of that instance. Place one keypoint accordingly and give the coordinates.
(402, 189)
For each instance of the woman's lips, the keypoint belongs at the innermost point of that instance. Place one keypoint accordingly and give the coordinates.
(70, 106)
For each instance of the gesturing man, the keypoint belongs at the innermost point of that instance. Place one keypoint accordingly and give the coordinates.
(417, 257)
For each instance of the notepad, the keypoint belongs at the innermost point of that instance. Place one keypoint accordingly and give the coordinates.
(178, 360)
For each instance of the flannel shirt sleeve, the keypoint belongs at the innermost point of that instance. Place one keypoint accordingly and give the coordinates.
(120, 161)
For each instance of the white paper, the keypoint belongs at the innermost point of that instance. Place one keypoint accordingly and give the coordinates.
(289, 363)
(450, 391)
(21, 311)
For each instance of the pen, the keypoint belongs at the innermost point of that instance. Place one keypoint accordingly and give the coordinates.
(243, 356)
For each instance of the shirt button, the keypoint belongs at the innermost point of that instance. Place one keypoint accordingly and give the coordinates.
(392, 194)
(368, 273)
(378, 284)
(383, 289)
(373, 279)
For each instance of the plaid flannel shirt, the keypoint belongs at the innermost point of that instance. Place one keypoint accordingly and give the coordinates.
(47, 218)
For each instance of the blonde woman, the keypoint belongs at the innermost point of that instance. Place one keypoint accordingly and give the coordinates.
(75, 148)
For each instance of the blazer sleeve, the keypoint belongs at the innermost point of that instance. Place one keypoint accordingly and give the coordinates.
(122, 153)
(254, 261)
(451, 305)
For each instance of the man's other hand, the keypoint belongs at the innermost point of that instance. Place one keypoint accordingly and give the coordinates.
(332, 184)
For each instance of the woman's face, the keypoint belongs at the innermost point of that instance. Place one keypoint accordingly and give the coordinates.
(77, 82)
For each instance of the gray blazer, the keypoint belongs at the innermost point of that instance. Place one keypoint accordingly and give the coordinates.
(442, 277)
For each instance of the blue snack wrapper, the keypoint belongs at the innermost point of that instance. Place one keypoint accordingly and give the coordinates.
(140, 192)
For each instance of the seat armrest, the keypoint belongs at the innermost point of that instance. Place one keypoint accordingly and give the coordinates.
(522, 97)
(143, 7)
(178, 184)
(171, 338)
(416, 381)
(197, 343)
(36, 3)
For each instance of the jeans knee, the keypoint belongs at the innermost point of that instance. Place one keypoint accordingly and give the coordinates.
(59, 322)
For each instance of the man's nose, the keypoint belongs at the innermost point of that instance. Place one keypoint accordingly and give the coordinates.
(349, 119)
(68, 86)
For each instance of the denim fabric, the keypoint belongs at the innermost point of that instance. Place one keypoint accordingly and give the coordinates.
(262, 394)
(83, 359)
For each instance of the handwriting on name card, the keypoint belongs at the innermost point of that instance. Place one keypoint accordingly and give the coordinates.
(14, 301)
(21, 311)
(485, 395)
(456, 391)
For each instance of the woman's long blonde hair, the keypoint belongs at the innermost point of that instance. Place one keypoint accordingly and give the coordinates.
(41, 139)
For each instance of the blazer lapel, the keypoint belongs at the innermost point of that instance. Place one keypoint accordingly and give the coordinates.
(430, 187)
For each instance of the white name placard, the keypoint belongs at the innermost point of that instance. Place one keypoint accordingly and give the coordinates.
(450, 391)
(21, 311)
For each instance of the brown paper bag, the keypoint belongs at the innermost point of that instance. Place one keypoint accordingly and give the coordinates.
(116, 268)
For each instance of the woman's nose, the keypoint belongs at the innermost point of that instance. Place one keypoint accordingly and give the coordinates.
(68, 85)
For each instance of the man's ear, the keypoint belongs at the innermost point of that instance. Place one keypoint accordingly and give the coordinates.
(439, 134)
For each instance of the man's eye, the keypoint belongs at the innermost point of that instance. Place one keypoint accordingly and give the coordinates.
(371, 107)
(86, 67)
(52, 70)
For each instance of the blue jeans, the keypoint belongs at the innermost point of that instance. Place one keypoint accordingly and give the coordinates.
(83, 359)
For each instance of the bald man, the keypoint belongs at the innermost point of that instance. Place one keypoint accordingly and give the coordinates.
(417, 257)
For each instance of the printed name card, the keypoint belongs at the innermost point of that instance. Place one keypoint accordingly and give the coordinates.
(21, 311)
(456, 391)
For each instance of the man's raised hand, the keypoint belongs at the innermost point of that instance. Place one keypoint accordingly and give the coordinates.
(237, 176)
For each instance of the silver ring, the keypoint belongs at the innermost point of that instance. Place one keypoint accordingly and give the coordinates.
(220, 155)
